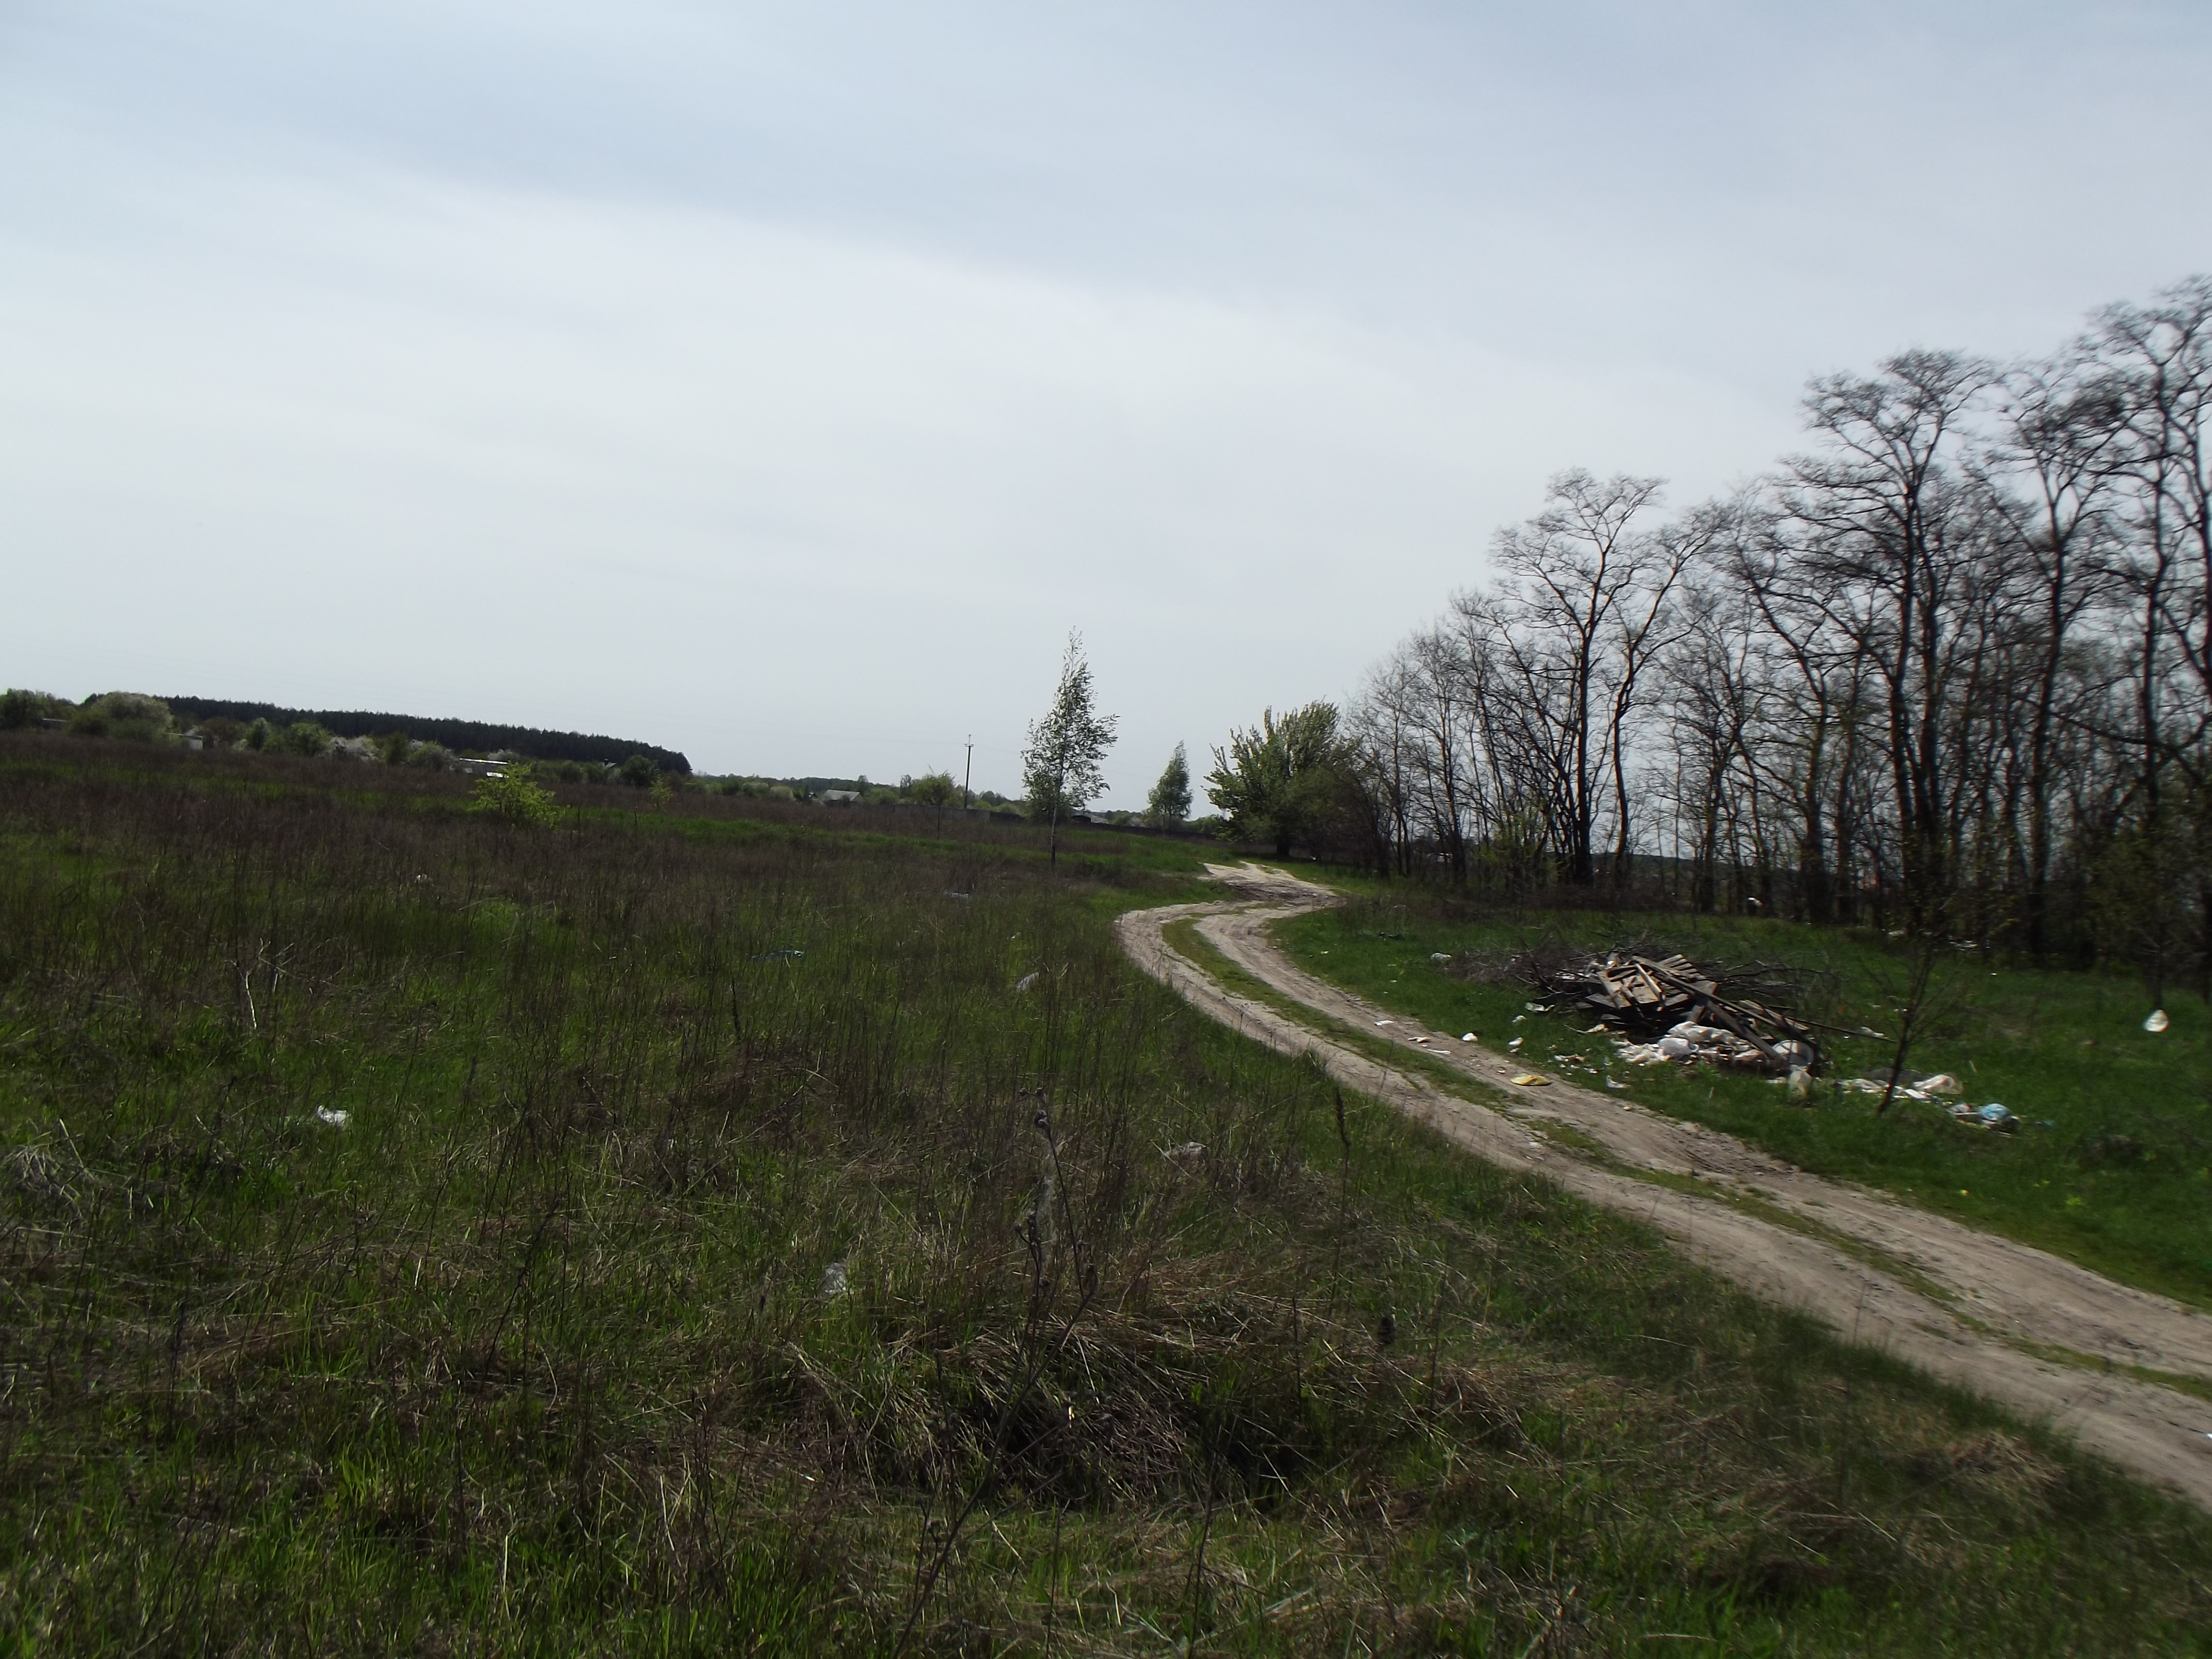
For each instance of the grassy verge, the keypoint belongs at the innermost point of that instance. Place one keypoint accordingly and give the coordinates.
(721, 1248)
(1185, 938)
(2112, 1166)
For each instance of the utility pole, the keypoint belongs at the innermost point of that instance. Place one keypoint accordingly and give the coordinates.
(968, 775)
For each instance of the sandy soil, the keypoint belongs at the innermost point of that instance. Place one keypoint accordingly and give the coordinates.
(1970, 1307)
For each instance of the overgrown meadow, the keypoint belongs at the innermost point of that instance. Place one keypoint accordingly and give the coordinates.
(678, 1229)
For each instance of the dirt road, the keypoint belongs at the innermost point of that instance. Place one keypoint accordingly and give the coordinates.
(2048, 1339)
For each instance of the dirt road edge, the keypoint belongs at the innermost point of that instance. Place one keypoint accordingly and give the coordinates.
(1970, 1308)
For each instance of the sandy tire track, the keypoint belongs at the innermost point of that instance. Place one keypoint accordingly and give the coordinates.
(1969, 1307)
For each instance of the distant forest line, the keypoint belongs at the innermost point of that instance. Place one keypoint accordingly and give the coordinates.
(460, 736)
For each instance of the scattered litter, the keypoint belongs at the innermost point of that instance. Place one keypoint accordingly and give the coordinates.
(1028, 979)
(1386, 1022)
(949, 893)
(1531, 1080)
(2158, 1021)
(1517, 1018)
(1538, 1007)
(1439, 956)
(1517, 1043)
(335, 1119)
(1610, 1083)
(1800, 1083)
(1189, 1156)
(1928, 1087)
(834, 1282)
(1991, 1116)
(779, 956)
(1420, 1039)
(1595, 1028)
(1468, 1037)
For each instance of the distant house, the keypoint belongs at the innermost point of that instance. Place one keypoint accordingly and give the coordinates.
(840, 797)
(479, 769)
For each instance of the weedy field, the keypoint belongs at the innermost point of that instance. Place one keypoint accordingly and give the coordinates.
(2112, 1165)
(691, 1228)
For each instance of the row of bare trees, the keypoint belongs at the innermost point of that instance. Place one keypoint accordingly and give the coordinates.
(1951, 666)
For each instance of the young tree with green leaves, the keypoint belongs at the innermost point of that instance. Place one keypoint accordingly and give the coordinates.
(1279, 779)
(1061, 761)
(935, 789)
(1169, 804)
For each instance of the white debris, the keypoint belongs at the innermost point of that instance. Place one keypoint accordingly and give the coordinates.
(834, 1282)
(337, 1120)
(1189, 1156)
(2158, 1021)
(1026, 980)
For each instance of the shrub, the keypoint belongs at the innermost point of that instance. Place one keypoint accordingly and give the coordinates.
(430, 756)
(257, 735)
(934, 789)
(512, 796)
(391, 748)
(639, 772)
(129, 715)
(20, 710)
(303, 738)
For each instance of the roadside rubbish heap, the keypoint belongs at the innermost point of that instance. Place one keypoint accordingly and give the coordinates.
(1666, 1010)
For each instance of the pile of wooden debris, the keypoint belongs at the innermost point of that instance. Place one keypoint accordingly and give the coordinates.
(1670, 1009)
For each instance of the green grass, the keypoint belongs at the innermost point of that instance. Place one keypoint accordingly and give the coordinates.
(2113, 1165)
(542, 1351)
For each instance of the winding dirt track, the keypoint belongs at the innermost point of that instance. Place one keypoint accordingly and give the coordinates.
(1969, 1307)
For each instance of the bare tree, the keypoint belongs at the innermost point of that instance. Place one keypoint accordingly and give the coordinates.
(1954, 663)
(1883, 549)
(1574, 615)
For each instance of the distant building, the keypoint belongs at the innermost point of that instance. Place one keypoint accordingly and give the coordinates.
(840, 797)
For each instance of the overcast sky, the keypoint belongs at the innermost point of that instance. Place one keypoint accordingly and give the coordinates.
(781, 384)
